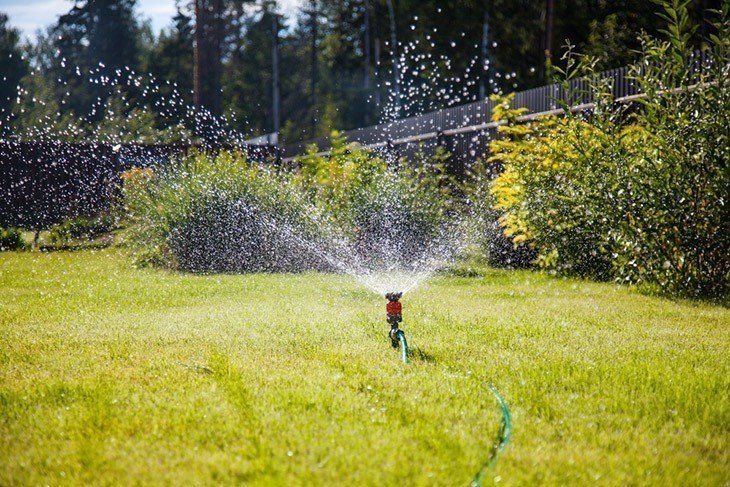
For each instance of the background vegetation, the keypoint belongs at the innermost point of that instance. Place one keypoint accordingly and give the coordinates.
(206, 213)
(222, 213)
(336, 63)
(637, 194)
(377, 201)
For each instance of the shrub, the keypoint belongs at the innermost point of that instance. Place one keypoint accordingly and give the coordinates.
(80, 228)
(548, 193)
(11, 239)
(641, 197)
(209, 214)
(398, 215)
(485, 234)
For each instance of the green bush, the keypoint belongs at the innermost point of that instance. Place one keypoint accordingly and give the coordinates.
(675, 225)
(640, 198)
(550, 193)
(210, 214)
(347, 210)
(397, 214)
(11, 239)
(80, 228)
(484, 232)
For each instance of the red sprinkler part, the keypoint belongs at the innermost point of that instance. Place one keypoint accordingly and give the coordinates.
(393, 308)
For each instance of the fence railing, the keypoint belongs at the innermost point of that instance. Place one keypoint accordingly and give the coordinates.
(465, 129)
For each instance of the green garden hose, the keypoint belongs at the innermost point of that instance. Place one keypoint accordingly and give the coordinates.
(504, 432)
(403, 345)
(502, 440)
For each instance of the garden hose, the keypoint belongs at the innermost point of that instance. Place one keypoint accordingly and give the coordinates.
(504, 431)
(393, 312)
(502, 440)
(403, 345)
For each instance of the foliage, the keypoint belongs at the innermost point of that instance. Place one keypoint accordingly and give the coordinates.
(80, 228)
(37, 115)
(374, 202)
(545, 195)
(675, 228)
(636, 197)
(171, 63)
(336, 66)
(13, 67)
(100, 39)
(205, 213)
(11, 239)
(338, 180)
(126, 122)
(486, 237)
(247, 73)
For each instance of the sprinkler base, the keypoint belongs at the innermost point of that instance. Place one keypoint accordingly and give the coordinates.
(393, 335)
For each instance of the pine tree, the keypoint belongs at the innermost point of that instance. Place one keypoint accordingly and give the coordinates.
(96, 41)
(171, 63)
(12, 68)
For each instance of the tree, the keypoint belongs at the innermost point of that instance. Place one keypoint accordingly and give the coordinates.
(96, 42)
(171, 63)
(13, 67)
(207, 55)
(122, 124)
(37, 115)
(247, 73)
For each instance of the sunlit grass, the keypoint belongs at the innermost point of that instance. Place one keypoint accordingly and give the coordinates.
(116, 375)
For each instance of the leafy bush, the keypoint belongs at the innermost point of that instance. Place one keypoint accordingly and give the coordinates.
(80, 228)
(548, 193)
(396, 214)
(484, 230)
(675, 228)
(11, 239)
(638, 198)
(208, 214)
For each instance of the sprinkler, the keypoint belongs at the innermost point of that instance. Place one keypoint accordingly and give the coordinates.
(393, 312)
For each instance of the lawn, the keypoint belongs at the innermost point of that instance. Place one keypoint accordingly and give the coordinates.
(112, 375)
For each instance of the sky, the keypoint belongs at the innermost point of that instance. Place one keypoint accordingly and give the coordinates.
(30, 15)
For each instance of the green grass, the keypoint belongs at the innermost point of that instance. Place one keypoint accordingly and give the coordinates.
(111, 375)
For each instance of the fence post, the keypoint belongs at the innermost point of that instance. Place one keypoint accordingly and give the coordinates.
(439, 138)
(391, 154)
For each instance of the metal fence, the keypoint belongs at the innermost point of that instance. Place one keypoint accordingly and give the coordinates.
(465, 130)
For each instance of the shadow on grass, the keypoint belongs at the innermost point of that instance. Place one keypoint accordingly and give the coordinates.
(418, 354)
